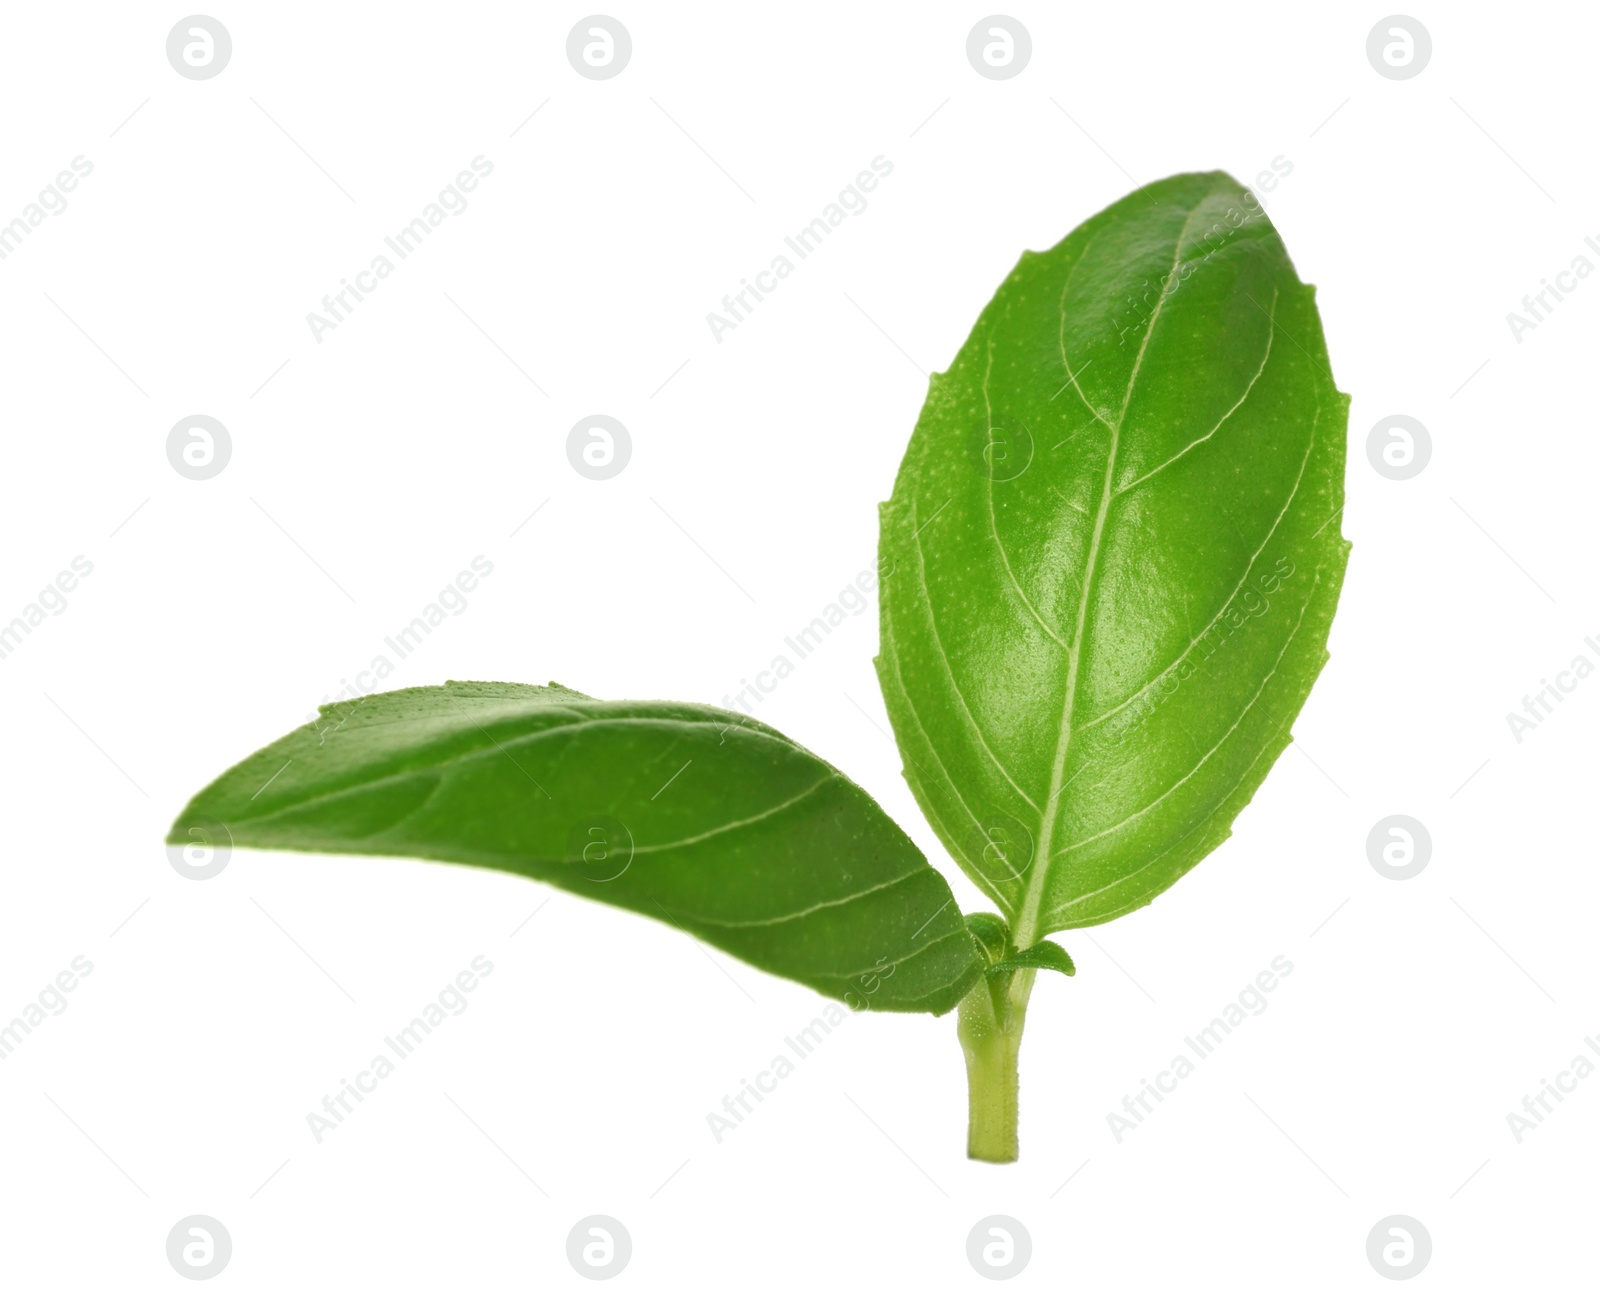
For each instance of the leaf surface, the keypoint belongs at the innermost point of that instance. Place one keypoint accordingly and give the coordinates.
(689, 814)
(989, 930)
(1113, 555)
(1046, 956)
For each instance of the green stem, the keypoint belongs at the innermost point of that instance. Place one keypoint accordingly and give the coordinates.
(989, 1024)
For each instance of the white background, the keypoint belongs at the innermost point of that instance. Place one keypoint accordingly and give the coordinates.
(424, 431)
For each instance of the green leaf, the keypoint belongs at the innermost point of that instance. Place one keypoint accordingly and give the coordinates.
(1000, 955)
(1113, 555)
(688, 814)
(989, 930)
(1047, 956)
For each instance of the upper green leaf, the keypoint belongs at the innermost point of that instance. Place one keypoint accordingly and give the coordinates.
(1114, 553)
(689, 814)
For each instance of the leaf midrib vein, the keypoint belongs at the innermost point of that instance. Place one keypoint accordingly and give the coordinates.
(1232, 409)
(496, 747)
(1027, 932)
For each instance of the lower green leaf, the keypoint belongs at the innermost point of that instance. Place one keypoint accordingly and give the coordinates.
(703, 818)
(989, 930)
(1046, 956)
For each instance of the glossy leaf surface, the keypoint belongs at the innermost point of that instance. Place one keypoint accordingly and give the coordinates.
(1113, 555)
(1046, 956)
(688, 814)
